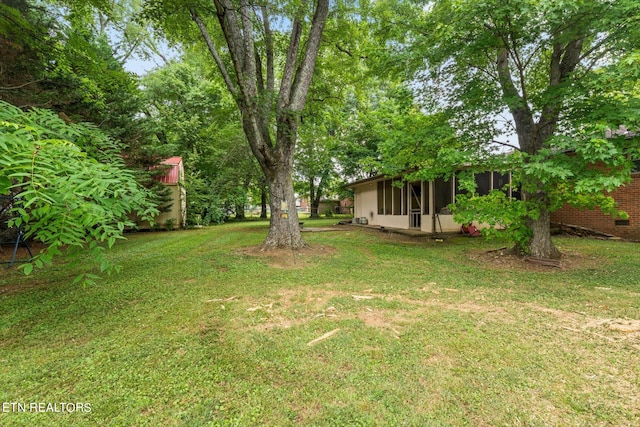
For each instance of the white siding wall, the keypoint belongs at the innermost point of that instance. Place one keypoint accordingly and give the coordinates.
(366, 201)
(366, 205)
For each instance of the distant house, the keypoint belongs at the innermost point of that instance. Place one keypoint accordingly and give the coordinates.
(173, 178)
(335, 206)
(420, 205)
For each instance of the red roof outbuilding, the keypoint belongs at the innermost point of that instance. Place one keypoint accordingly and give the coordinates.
(172, 176)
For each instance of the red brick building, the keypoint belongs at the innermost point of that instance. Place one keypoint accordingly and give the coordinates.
(628, 199)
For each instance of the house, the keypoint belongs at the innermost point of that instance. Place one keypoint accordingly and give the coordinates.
(422, 205)
(419, 205)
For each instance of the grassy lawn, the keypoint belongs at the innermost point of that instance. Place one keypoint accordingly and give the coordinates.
(196, 330)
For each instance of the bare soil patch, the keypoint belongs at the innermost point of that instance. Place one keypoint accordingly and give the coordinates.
(6, 252)
(22, 255)
(615, 330)
(288, 258)
(505, 259)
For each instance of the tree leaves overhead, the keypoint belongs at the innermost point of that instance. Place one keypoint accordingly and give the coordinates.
(460, 40)
(193, 113)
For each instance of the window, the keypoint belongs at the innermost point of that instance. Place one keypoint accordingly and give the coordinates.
(388, 197)
(457, 185)
(405, 198)
(483, 183)
(443, 194)
(397, 199)
(501, 181)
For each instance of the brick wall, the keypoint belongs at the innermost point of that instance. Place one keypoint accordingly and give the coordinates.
(628, 199)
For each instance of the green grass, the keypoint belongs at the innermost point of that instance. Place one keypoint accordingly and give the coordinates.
(195, 332)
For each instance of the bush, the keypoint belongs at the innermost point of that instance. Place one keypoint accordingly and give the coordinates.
(70, 201)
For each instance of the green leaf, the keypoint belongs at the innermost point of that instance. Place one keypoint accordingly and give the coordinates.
(27, 268)
(5, 184)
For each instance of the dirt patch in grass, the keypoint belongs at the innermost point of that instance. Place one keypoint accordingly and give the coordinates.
(293, 308)
(289, 308)
(380, 320)
(288, 258)
(612, 330)
(505, 259)
(297, 307)
(20, 287)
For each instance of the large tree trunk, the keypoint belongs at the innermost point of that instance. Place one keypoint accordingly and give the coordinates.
(284, 229)
(541, 245)
(314, 200)
(263, 201)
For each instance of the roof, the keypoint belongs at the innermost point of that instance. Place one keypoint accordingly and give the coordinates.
(174, 173)
(364, 181)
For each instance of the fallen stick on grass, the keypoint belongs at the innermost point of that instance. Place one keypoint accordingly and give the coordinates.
(322, 338)
(221, 299)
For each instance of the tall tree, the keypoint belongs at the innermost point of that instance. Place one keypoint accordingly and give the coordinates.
(556, 71)
(54, 57)
(270, 113)
(314, 164)
(331, 144)
(194, 114)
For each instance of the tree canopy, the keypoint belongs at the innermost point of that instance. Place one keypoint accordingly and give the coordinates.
(556, 75)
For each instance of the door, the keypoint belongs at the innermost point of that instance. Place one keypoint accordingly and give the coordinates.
(415, 204)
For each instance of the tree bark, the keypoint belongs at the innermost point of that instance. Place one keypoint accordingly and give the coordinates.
(315, 194)
(263, 200)
(313, 200)
(541, 245)
(284, 226)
